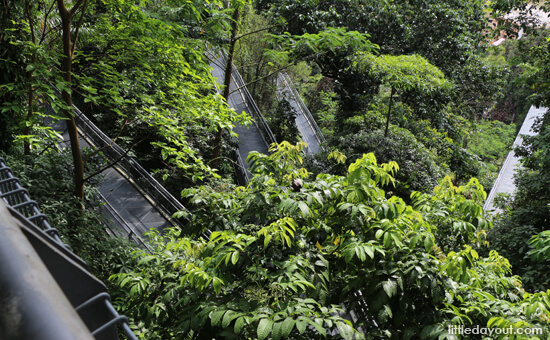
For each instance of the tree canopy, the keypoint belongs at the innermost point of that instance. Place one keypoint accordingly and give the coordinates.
(380, 235)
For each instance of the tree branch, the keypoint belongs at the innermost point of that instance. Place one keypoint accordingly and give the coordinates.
(75, 7)
(257, 31)
(274, 72)
(31, 21)
(98, 150)
(46, 15)
(78, 25)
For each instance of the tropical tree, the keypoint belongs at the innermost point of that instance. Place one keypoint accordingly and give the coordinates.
(404, 73)
(69, 41)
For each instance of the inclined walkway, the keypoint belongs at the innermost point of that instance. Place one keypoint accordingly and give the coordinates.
(258, 136)
(310, 132)
(131, 200)
(255, 137)
(505, 180)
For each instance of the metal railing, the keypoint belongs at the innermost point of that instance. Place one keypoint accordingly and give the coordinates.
(115, 224)
(305, 111)
(255, 110)
(55, 292)
(157, 194)
(510, 161)
(18, 197)
(266, 132)
(242, 174)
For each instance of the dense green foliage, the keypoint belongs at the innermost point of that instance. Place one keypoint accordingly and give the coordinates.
(334, 245)
(286, 263)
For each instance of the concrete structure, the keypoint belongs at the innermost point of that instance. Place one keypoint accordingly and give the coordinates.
(505, 180)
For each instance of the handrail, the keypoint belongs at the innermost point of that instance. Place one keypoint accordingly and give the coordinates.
(15, 195)
(526, 129)
(33, 306)
(243, 176)
(311, 121)
(252, 104)
(128, 230)
(48, 278)
(266, 132)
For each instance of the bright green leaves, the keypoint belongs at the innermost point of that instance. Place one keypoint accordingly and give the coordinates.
(362, 251)
(264, 328)
(540, 246)
(331, 40)
(456, 212)
(157, 78)
(293, 207)
(390, 288)
(457, 265)
(283, 165)
(228, 246)
(286, 256)
(281, 231)
(405, 72)
(366, 169)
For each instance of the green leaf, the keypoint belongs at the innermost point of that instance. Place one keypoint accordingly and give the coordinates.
(360, 253)
(217, 284)
(228, 317)
(264, 328)
(430, 332)
(216, 317)
(318, 326)
(428, 243)
(239, 324)
(147, 259)
(301, 325)
(303, 208)
(276, 334)
(345, 330)
(370, 251)
(390, 287)
(287, 327)
(267, 240)
(235, 257)
(348, 254)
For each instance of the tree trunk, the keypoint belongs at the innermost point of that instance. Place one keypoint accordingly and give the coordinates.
(389, 113)
(66, 21)
(227, 83)
(30, 91)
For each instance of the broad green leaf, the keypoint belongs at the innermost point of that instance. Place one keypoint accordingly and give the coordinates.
(390, 287)
(301, 325)
(217, 284)
(277, 328)
(264, 328)
(228, 317)
(267, 240)
(235, 257)
(345, 330)
(287, 327)
(216, 317)
(239, 324)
